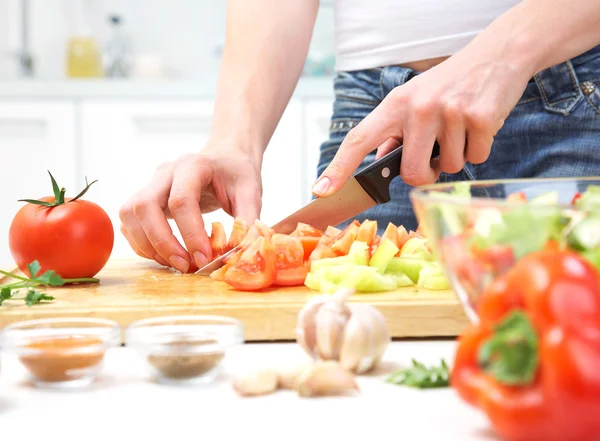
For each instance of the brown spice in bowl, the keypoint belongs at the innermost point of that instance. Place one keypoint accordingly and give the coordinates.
(53, 361)
(183, 365)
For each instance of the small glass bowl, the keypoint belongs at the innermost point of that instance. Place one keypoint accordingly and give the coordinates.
(184, 349)
(61, 352)
(509, 227)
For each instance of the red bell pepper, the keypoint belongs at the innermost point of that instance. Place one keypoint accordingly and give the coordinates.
(532, 364)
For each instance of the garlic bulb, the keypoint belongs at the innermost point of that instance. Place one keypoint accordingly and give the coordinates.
(355, 335)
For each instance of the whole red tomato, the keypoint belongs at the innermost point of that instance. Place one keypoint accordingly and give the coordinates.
(71, 236)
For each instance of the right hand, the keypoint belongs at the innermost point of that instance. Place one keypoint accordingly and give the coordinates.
(183, 190)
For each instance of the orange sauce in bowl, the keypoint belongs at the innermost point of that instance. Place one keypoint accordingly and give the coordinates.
(62, 358)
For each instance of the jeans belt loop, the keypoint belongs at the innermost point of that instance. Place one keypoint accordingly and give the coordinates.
(559, 88)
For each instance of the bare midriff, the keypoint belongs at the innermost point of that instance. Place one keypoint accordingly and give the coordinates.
(423, 65)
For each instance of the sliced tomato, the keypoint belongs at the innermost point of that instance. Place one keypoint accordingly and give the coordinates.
(499, 258)
(332, 231)
(518, 196)
(574, 200)
(376, 243)
(264, 230)
(402, 237)
(367, 232)
(218, 240)
(219, 274)
(343, 241)
(309, 244)
(303, 230)
(323, 249)
(238, 232)
(289, 250)
(256, 267)
(391, 233)
(292, 276)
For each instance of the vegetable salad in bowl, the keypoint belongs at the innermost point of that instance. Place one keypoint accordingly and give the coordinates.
(480, 230)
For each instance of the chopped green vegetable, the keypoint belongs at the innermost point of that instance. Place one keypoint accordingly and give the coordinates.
(408, 265)
(590, 199)
(422, 377)
(384, 253)
(433, 278)
(585, 235)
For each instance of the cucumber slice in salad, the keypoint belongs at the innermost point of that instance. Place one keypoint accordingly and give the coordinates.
(385, 252)
(585, 235)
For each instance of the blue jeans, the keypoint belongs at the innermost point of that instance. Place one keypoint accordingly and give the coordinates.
(553, 131)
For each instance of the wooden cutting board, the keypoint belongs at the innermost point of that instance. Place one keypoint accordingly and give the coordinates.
(130, 290)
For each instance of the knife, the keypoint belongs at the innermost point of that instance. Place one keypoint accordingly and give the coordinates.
(367, 188)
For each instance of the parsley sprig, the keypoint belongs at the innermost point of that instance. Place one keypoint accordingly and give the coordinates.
(422, 377)
(10, 291)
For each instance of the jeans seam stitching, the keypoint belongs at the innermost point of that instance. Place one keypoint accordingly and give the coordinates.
(596, 109)
(529, 100)
(356, 100)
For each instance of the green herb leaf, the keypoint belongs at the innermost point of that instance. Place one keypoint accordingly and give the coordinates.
(5, 294)
(35, 297)
(511, 354)
(34, 268)
(50, 278)
(421, 376)
(525, 229)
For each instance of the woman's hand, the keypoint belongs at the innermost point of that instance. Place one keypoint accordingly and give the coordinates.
(183, 190)
(461, 103)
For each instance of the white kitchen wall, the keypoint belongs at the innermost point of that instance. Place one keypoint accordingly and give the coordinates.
(188, 34)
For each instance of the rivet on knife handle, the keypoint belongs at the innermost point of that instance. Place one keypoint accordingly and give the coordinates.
(375, 178)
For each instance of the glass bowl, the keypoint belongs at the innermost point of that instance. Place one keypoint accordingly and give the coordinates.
(479, 229)
(184, 349)
(61, 352)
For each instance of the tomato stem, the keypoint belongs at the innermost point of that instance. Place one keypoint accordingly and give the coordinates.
(82, 280)
(59, 194)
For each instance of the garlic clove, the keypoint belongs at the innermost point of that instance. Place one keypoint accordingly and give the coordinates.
(330, 323)
(260, 382)
(366, 338)
(288, 375)
(306, 325)
(357, 350)
(326, 378)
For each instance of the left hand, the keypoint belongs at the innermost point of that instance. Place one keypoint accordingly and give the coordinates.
(462, 103)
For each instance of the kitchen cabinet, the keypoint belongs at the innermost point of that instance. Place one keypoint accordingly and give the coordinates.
(317, 117)
(124, 141)
(35, 137)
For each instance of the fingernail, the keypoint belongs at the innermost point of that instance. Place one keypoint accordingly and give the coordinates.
(200, 259)
(160, 260)
(179, 263)
(321, 186)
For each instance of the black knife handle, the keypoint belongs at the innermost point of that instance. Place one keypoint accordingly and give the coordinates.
(375, 178)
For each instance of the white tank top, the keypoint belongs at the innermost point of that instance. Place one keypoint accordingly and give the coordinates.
(375, 33)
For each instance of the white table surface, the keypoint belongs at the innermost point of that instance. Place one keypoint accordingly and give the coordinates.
(126, 405)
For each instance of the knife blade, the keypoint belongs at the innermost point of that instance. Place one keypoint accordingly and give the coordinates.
(368, 187)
